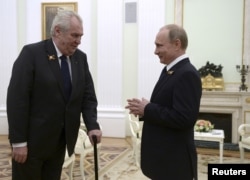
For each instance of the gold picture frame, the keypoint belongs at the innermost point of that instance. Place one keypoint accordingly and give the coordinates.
(49, 10)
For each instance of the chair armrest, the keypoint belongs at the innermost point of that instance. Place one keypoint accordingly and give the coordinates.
(242, 129)
(134, 126)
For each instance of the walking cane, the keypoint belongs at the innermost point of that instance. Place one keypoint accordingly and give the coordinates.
(95, 156)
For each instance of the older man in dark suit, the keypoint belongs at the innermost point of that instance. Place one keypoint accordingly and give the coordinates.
(46, 96)
(168, 150)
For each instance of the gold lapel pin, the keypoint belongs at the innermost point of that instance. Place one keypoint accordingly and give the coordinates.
(170, 72)
(51, 57)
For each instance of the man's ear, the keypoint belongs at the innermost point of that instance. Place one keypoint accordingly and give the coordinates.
(57, 30)
(177, 43)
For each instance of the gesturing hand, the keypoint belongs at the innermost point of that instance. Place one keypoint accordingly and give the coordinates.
(137, 106)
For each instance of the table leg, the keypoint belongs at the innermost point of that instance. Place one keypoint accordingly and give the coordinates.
(221, 151)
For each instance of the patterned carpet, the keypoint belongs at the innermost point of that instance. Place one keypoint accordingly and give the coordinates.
(125, 169)
(117, 163)
(108, 157)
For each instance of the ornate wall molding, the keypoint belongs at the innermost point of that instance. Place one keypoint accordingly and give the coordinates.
(246, 31)
(179, 12)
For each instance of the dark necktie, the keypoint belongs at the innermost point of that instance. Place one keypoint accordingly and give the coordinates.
(163, 73)
(66, 76)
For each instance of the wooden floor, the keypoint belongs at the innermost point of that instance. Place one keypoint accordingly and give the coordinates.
(3, 139)
(127, 142)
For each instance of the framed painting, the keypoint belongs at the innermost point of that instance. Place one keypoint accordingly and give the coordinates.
(49, 10)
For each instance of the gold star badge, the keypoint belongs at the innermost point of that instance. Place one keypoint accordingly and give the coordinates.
(51, 57)
(170, 72)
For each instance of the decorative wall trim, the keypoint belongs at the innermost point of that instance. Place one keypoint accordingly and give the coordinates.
(111, 112)
(179, 12)
(3, 121)
(112, 121)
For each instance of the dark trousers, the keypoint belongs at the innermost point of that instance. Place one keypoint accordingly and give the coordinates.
(40, 168)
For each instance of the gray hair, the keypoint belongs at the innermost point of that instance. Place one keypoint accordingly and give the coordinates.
(63, 19)
(177, 32)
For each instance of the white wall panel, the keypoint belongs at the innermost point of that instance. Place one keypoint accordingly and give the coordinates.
(247, 35)
(85, 11)
(215, 30)
(109, 67)
(109, 53)
(8, 46)
(151, 18)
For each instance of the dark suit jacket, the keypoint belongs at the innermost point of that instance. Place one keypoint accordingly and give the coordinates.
(37, 110)
(168, 150)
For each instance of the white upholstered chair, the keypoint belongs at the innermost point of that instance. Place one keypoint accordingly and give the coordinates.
(79, 149)
(83, 147)
(88, 147)
(244, 143)
(69, 163)
(135, 129)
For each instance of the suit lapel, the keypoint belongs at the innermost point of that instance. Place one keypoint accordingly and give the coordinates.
(54, 64)
(166, 75)
(74, 72)
(162, 80)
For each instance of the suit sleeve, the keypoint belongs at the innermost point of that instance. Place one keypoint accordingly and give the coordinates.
(18, 97)
(89, 102)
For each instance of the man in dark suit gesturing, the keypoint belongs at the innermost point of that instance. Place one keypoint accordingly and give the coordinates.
(168, 150)
(43, 108)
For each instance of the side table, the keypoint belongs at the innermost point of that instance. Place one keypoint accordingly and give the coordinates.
(216, 135)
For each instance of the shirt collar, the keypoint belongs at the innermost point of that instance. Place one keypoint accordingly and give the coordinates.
(174, 62)
(59, 54)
